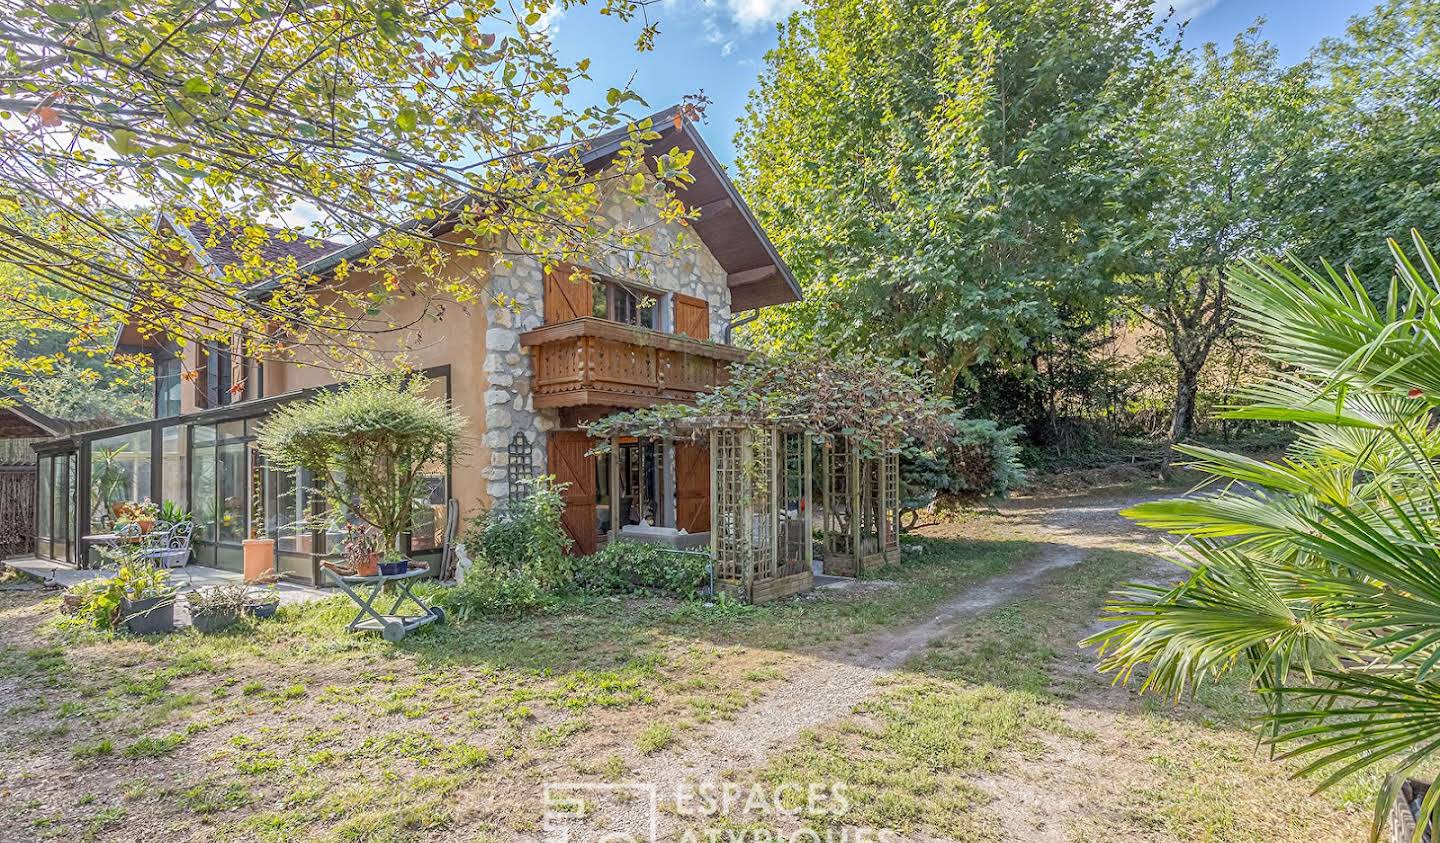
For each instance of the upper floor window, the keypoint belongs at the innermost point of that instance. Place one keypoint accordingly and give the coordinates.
(167, 385)
(623, 303)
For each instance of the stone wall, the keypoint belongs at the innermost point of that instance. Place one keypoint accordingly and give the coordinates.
(509, 406)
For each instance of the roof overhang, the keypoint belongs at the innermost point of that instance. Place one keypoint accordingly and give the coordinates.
(758, 277)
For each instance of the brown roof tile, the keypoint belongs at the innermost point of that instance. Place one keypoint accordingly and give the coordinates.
(222, 251)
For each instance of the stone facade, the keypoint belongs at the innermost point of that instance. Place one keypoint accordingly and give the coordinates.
(689, 269)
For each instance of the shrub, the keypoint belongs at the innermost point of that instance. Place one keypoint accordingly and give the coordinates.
(527, 537)
(519, 556)
(982, 460)
(631, 567)
(489, 591)
(371, 442)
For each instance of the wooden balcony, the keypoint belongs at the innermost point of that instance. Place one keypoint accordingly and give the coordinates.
(595, 362)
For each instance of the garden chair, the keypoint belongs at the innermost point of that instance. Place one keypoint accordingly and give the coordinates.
(173, 551)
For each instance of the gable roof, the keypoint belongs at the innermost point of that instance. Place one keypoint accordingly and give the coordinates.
(19, 420)
(221, 252)
(757, 276)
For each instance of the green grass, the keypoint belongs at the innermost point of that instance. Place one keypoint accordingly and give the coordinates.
(655, 738)
(297, 729)
(992, 698)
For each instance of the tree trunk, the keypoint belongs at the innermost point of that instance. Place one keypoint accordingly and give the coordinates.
(1182, 417)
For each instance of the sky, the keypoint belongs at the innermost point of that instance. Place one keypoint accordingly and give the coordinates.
(718, 46)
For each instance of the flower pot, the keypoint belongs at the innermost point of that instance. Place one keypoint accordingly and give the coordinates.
(368, 566)
(146, 525)
(259, 558)
(262, 611)
(150, 615)
(213, 620)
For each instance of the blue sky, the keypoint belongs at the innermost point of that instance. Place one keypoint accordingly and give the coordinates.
(718, 45)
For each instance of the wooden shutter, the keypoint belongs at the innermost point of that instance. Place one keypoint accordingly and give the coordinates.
(692, 317)
(692, 487)
(570, 464)
(566, 299)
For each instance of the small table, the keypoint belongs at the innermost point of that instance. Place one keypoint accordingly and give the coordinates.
(105, 539)
(391, 626)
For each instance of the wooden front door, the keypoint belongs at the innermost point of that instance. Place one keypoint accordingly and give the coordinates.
(570, 464)
(692, 487)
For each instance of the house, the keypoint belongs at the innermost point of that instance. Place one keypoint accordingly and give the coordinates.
(527, 375)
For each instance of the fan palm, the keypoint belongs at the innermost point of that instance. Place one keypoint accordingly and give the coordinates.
(1316, 575)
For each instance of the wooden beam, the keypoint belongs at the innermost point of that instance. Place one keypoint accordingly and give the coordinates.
(753, 276)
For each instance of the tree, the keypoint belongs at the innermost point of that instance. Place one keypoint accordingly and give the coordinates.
(1315, 576)
(1380, 160)
(89, 394)
(946, 178)
(1227, 137)
(269, 119)
(371, 442)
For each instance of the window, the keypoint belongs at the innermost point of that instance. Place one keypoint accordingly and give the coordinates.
(119, 472)
(167, 385)
(623, 303)
(219, 376)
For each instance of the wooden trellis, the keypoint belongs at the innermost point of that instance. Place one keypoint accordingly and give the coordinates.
(760, 515)
(520, 467)
(862, 509)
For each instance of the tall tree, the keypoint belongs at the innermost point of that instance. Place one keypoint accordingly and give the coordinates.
(947, 178)
(358, 118)
(1380, 163)
(1228, 138)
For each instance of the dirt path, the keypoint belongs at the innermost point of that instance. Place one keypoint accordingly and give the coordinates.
(826, 686)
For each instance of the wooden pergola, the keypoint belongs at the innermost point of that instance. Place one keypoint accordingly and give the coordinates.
(861, 499)
(761, 515)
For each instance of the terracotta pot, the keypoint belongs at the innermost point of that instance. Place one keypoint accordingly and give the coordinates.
(259, 558)
(368, 566)
(146, 525)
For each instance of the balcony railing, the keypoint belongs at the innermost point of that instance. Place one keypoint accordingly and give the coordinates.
(595, 362)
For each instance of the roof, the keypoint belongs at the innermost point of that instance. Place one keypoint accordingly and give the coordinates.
(758, 277)
(19, 420)
(275, 247)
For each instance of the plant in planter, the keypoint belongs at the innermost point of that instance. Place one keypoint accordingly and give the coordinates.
(370, 441)
(139, 595)
(394, 563)
(217, 607)
(262, 603)
(173, 512)
(143, 513)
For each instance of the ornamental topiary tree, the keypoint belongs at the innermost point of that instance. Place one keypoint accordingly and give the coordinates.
(370, 441)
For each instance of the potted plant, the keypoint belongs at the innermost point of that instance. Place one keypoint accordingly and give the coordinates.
(144, 514)
(361, 551)
(217, 607)
(394, 563)
(173, 512)
(147, 599)
(263, 603)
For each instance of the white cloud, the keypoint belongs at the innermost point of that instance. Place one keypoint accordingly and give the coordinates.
(728, 48)
(549, 20)
(752, 13)
(1185, 9)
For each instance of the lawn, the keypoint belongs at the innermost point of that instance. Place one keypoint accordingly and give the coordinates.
(293, 729)
(1002, 731)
